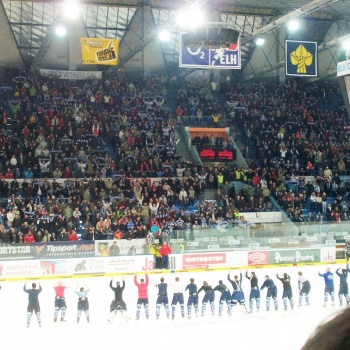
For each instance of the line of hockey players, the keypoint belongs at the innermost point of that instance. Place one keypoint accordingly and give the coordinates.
(237, 296)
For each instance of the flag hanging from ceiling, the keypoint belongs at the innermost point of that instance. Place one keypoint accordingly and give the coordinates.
(99, 51)
(301, 58)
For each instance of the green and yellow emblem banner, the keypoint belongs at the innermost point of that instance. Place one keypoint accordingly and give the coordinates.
(301, 58)
(99, 51)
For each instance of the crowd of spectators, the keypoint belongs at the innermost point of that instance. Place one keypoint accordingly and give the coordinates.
(101, 137)
(105, 138)
(197, 103)
(292, 130)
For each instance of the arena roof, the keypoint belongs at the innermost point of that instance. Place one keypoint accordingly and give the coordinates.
(29, 40)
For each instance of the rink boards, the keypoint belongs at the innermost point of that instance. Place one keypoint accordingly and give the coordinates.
(86, 267)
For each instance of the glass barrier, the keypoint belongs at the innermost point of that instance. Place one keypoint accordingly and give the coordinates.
(262, 236)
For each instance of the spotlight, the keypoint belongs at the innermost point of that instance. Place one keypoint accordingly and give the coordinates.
(260, 41)
(164, 35)
(71, 9)
(293, 25)
(60, 30)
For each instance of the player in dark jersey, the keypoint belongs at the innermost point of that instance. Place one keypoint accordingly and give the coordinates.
(304, 289)
(343, 286)
(83, 303)
(117, 303)
(287, 291)
(60, 301)
(329, 286)
(192, 298)
(225, 297)
(162, 298)
(271, 292)
(254, 291)
(237, 294)
(33, 303)
(209, 297)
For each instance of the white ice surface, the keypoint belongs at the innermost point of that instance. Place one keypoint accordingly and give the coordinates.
(274, 330)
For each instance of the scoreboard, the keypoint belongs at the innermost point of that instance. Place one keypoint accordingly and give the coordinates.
(221, 155)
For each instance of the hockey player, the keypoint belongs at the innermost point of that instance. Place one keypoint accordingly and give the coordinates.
(162, 298)
(329, 285)
(304, 288)
(254, 291)
(237, 294)
(60, 301)
(33, 303)
(142, 290)
(271, 292)
(287, 291)
(117, 303)
(225, 297)
(209, 297)
(343, 287)
(83, 303)
(178, 297)
(192, 298)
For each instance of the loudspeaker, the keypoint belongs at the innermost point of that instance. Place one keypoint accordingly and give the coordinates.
(213, 37)
(189, 39)
(228, 36)
(202, 35)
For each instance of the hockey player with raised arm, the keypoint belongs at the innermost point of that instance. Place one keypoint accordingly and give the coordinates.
(142, 291)
(192, 298)
(287, 291)
(60, 301)
(254, 291)
(237, 294)
(271, 292)
(225, 297)
(343, 286)
(162, 298)
(329, 286)
(304, 289)
(117, 303)
(178, 297)
(83, 303)
(33, 303)
(209, 297)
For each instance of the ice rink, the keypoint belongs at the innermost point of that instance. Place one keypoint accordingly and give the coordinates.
(266, 330)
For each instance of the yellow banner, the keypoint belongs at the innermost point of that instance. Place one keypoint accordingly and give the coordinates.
(99, 51)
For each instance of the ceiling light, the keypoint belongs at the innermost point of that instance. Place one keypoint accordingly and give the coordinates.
(346, 44)
(60, 30)
(71, 9)
(293, 25)
(164, 35)
(190, 18)
(260, 41)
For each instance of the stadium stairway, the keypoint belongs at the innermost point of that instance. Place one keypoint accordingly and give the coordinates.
(181, 147)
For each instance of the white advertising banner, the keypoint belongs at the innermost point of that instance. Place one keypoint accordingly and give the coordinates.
(20, 269)
(259, 217)
(328, 254)
(209, 260)
(70, 75)
(343, 68)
